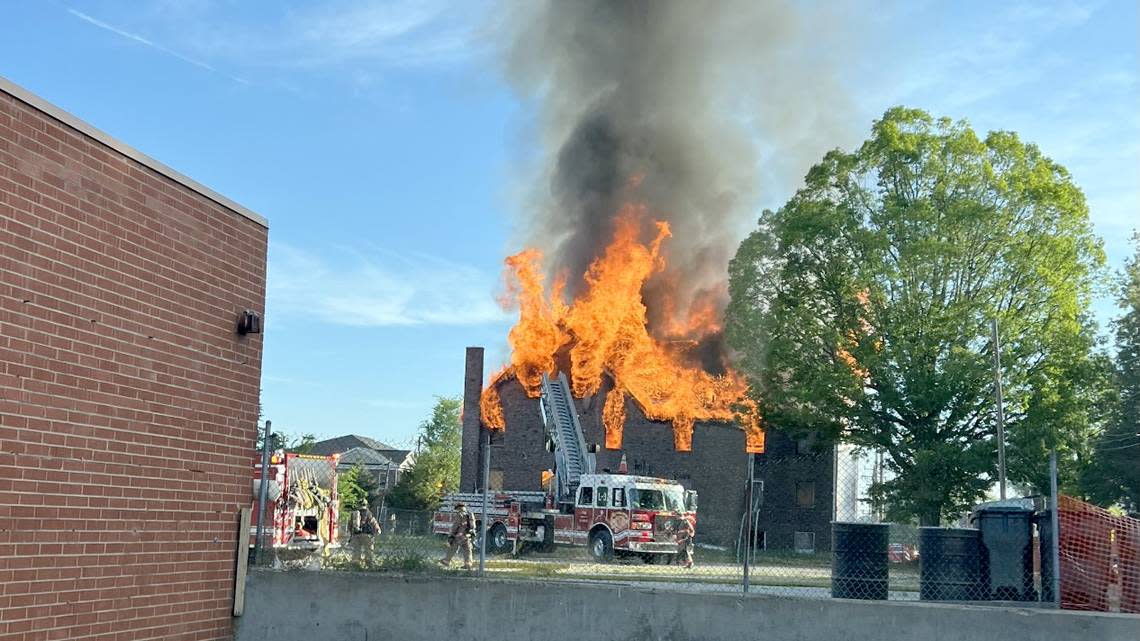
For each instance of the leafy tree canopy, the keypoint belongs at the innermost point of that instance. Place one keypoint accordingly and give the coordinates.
(861, 308)
(351, 494)
(435, 471)
(1115, 475)
(297, 444)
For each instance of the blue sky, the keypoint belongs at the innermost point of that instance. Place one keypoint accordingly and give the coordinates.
(385, 148)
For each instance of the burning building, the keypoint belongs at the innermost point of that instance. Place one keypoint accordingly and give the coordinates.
(642, 183)
(794, 478)
(665, 399)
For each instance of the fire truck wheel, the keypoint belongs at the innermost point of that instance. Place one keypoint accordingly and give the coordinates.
(498, 543)
(601, 545)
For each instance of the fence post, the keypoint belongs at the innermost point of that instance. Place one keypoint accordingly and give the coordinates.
(262, 493)
(1054, 517)
(748, 533)
(486, 507)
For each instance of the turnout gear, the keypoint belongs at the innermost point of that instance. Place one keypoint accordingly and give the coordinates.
(462, 533)
(364, 529)
(685, 535)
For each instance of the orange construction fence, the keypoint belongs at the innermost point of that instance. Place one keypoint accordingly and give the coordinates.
(1100, 558)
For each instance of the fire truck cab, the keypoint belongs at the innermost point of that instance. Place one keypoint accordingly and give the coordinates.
(630, 515)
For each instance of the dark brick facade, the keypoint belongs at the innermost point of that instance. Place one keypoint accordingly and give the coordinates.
(790, 470)
(128, 403)
(717, 466)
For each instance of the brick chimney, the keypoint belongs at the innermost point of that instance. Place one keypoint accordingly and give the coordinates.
(470, 471)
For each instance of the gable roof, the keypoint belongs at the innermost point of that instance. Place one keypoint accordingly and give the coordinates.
(367, 457)
(342, 444)
(399, 457)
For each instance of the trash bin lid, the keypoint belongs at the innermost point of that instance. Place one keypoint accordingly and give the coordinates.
(1003, 508)
(1010, 504)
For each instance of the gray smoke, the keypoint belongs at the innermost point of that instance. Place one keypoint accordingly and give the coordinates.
(680, 93)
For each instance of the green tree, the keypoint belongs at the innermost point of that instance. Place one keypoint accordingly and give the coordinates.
(1114, 476)
(370, 486)
(302, 444)
(435, 470)
(1071, 400)
(861, 308)
(348, 488)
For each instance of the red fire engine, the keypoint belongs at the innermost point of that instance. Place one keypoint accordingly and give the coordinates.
(611, 514)
(301, 507)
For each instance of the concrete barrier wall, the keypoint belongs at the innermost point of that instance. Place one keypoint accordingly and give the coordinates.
(341, 606)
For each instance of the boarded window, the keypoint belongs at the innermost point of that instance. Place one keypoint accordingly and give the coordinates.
(759, 540)
(805, 542)
(805, 494)
(496, 480)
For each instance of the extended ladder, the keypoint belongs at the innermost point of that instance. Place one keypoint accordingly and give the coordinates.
(571, 457)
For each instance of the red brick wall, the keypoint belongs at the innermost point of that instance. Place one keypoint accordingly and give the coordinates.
(128, 404)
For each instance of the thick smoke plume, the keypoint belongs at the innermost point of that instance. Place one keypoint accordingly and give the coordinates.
(663, 102)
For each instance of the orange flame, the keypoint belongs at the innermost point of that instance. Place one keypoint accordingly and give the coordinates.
(491, 406)
(536, 337)
(852, 339)
(613, 418)
(605, 330)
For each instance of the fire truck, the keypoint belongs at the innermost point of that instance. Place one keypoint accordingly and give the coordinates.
(301, 500)
(612, 515)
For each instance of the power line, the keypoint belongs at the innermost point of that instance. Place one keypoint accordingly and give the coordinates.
(1115, 438)
(1120, 447)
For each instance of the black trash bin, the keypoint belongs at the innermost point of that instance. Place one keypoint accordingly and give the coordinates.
(1007, 547)
(859, 560)
(951, 564)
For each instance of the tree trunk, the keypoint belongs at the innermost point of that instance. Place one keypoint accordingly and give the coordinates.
(931, 517)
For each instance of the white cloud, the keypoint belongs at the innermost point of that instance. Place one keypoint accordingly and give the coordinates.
(382, 289)
(367, 36)
(399, 33)
(393, 33)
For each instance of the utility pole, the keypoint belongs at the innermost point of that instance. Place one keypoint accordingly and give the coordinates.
(1000, 409)
(749, 535)
(486, 507)
(1054, 525)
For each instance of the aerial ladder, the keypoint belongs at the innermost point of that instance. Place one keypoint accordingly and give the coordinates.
(572, 457)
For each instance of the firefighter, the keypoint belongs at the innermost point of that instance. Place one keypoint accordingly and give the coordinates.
(685, 535)
(462, 532)
(364, 529)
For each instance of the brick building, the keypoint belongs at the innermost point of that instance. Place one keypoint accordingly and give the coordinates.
(128, 400)
(794, 479)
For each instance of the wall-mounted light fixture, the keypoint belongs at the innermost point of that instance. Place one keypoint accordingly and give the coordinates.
(249, 322)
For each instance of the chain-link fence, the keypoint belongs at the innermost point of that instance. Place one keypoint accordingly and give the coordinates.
(806, 534)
